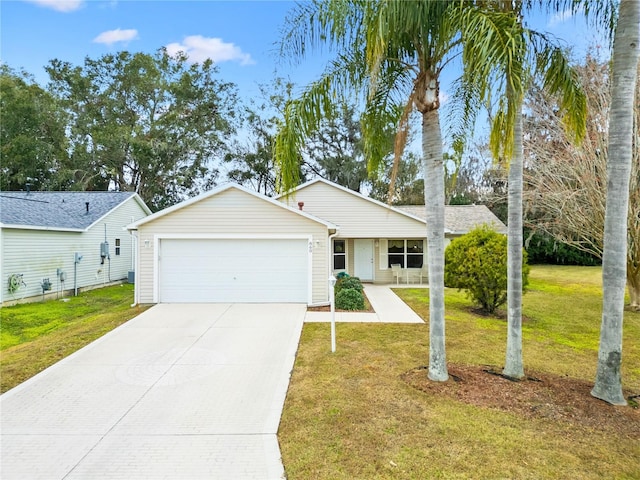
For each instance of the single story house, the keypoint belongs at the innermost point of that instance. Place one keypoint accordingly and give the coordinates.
(232, 244)
(57, 242)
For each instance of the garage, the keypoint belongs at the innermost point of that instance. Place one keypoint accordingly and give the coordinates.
(231, 270)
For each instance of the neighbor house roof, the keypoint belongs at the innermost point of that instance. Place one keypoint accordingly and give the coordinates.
(68, 211)
(461, 218)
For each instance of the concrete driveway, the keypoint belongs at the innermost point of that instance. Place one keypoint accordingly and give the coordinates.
(179, 392)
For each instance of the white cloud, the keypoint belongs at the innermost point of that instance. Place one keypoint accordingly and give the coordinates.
(59, 5)
(199, 48)
(114, 36)
(563, 16)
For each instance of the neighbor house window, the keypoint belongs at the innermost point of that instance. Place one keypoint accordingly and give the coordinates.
(117, 246)
(407, 253)
(339, 255)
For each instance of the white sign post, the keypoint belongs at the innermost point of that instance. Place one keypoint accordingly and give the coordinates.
(332, 284)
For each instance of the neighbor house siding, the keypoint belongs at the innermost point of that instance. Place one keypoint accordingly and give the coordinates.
(357, 217)
(37, 254)
(230, 213)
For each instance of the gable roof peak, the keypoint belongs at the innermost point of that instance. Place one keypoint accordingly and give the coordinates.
(218, 190)
(356, 194)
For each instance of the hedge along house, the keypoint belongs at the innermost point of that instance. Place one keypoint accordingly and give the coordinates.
(54, 243)
(372, 236)
(232, 245)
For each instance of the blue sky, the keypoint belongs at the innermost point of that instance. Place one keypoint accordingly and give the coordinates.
(239, 36)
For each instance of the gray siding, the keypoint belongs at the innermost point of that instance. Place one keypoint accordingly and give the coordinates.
(231, 213)
(37, 254)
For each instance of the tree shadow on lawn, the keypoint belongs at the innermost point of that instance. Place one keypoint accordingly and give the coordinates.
(539, 395)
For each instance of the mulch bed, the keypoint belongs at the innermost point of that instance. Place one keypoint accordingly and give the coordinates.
(539, 395)
(327, 308)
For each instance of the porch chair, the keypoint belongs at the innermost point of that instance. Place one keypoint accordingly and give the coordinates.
(396, 270)
(424, 272)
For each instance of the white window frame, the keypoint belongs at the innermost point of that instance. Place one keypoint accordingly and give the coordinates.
(344, 254)
(384, 252)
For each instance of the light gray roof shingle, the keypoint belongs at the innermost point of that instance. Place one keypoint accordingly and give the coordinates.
(461, 218)
(58, 210)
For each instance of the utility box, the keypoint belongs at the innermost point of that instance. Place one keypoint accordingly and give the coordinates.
(104, 250)
(131, 276)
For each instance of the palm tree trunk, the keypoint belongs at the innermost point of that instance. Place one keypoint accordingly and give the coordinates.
(434, 200)
(626, 49)
(513, 364)
(633, 284)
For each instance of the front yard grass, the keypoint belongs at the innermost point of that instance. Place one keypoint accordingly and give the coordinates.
(351, 415)
(34, 336)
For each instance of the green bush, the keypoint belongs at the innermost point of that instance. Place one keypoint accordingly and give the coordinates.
(477, 262)
(346, 283)
(349, 299)
(542, 248)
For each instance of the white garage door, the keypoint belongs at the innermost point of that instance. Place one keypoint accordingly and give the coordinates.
(233, 270)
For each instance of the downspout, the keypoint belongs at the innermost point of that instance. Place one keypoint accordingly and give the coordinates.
(76, 260)
(329, 255)
(2, 285)
(134, 258)
(133, 248)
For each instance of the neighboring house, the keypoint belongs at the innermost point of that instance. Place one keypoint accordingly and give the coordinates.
(235, 245)
(72, 239)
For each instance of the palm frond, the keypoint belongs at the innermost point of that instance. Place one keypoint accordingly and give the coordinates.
(314, 25)
(304, 115)
(602, 14)
(561, 79)
(495, 63)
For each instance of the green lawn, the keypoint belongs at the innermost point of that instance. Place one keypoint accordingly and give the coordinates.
(36, 335)
(349, 415)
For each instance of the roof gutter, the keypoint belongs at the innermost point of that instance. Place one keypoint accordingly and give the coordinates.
(135, 253)
(33, 227)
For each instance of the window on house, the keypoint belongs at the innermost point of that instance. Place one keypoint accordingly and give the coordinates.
(407, 253)
(117, 246)
(396, 252)
(415, 252)
(339, 255)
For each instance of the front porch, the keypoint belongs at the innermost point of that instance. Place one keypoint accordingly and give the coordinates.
(386, 261)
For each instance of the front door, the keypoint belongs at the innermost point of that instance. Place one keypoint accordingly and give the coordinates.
(363, 259)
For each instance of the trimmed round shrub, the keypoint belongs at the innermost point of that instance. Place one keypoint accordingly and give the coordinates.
(477, 262)
(342, 275)
(349, 299)
(346, 283)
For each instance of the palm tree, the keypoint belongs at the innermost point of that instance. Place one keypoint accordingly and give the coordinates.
(626, 51)
(392, 53)
(560, 79)
(534, 56)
